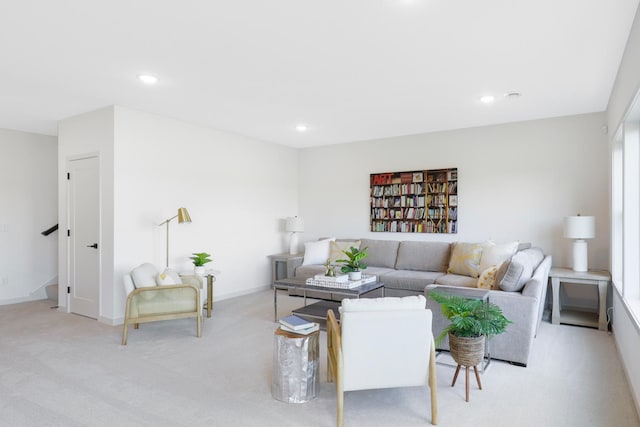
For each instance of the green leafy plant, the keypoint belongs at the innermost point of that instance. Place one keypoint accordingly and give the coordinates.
(354, 261)
(469, 317)
(200, 259)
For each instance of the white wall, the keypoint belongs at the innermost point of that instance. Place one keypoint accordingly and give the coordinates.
(515, 182)
(626, 328)
(28, 260)
(237, 190)
(85, 135)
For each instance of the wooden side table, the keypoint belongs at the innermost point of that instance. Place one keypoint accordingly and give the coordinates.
(599, 278)
(290, 262)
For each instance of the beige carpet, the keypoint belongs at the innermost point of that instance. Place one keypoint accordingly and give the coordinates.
(58, 369)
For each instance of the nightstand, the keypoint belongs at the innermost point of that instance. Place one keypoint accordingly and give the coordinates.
(599, 278)
(283, 265)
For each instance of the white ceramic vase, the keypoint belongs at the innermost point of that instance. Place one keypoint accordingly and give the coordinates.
(355, 275)
(199, 270)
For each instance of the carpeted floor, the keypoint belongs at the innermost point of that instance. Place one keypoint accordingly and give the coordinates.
(58, 369)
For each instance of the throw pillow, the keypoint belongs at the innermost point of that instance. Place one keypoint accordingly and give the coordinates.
(316, 252)
(494, 254)
(168, 277)
(487, 279)
(465, 259)
(336, 249)
(514, 274)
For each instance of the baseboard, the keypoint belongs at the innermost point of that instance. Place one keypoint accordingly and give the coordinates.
(241, 293)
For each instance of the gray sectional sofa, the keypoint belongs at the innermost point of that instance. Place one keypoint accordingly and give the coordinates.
(416, 267)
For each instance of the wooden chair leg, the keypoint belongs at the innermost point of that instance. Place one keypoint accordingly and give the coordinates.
(455, 377)
(136, 326)
(124, 333)
(433, 385)
(475, 368)
(199, 325)
(466, 382)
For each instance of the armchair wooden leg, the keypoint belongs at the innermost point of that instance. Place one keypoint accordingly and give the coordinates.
(340, 398)
(433, 386)
(136, 326)
(198, 325)
(124, 333)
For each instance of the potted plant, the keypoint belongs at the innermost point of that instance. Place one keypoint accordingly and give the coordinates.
(354, 265)
(199, 259)
(471, 321)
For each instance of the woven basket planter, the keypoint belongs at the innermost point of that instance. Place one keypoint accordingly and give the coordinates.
(467, 351)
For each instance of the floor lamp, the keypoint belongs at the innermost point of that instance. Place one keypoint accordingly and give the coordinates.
(580, 228)
(294, 225)
(183, 216)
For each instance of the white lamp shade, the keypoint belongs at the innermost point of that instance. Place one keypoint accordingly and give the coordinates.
(294, 224)
(580, 227)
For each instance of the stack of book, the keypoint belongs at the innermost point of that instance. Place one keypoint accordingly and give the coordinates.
(298, 325)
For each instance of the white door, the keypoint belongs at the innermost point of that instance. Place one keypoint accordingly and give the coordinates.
(83, 235)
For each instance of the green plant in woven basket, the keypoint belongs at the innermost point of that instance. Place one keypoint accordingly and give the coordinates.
(469, 317)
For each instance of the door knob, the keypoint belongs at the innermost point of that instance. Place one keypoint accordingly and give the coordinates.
(94, 246)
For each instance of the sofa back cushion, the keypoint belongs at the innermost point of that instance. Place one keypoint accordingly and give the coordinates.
(423, 256)
(514, 274)
(382, 253)
(465, 259)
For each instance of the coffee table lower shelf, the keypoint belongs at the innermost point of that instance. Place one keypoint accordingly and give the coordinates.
(318, 310)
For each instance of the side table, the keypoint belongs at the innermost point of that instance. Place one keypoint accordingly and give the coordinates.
(599, 278)
(288, 260)
(211, 277)
(295, 366)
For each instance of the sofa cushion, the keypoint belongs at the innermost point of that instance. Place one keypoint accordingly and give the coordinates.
(409, 279)
(496, 254)
(465, 259)
(316, 252)
(423, 256)
(382, 253)
(457, 280)
(513, 275)
(337, 248)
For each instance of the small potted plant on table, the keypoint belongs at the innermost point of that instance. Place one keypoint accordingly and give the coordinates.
(199, 259)
(354, 265)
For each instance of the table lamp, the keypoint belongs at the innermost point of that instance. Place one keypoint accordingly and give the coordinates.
(183, 216)
(580, 228)
(294, 225)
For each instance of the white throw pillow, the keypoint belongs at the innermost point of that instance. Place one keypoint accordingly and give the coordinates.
(316, 252)
(494, 254)
(168, 277)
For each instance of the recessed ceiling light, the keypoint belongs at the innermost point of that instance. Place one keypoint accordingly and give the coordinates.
(488, 99)
(512, 95)
(301, 127)
(147, 79)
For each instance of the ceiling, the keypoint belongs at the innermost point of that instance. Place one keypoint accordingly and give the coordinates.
(349, 69)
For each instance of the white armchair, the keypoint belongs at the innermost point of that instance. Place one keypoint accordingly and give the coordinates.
(153, 296)
(381, 343)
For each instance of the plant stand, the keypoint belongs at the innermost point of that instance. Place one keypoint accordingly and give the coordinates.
(467, 352)
(466, 383)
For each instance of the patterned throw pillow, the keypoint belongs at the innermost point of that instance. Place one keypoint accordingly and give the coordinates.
(465, 259)
(336, 249)
(487, 279)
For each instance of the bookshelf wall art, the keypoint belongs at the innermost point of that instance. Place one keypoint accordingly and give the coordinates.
(424, 201)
